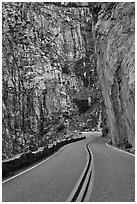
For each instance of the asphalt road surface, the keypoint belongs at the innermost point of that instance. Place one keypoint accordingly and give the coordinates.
(54, 180)
(114, 179)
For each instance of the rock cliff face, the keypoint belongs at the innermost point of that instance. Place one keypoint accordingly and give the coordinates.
(64, 65)
(114, 30)
(49, 74)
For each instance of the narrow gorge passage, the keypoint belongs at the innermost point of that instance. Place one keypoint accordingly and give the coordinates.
(67, 67)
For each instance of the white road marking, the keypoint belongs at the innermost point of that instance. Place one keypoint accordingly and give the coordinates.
(35, 165)
(120, 150)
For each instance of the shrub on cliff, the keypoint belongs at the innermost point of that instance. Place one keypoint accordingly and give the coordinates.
(127, 144)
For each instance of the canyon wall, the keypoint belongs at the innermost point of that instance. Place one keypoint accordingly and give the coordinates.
(114, 32)
(49, 75)
(64, 66)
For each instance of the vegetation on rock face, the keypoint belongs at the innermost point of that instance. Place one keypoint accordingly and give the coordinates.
(44, 48)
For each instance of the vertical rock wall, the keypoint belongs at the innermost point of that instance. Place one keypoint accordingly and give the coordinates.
(48, 61)
(115, 40)
(56, 56)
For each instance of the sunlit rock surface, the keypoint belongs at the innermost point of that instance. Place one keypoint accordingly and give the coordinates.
(66, 66)
(115, 48)
(49, 67)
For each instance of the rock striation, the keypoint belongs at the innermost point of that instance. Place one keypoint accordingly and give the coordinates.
(48, 69)
(114, 30)
(67, 66)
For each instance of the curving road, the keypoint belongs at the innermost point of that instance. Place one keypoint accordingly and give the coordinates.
(54, 180)
(114, 179)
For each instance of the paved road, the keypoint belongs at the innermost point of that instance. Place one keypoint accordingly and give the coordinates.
(114, 174)
(54, 180)
(51, 181)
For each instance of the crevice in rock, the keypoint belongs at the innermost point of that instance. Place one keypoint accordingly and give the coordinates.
(117, 105)
(60, 57)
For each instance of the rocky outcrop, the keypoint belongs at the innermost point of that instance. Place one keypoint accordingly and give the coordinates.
(48, 65)
(59, 59)
(114, 30)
